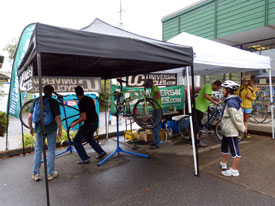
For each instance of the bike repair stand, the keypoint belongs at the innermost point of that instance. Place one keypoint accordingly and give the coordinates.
(70, 148)
(118, 149)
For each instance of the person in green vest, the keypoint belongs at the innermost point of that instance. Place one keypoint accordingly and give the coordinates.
(201, 105)
(155, 95)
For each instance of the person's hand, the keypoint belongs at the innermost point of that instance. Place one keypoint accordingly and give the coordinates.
(59, 133)
(216, 102)
(247, 96)
(31, 131)
(72, 124)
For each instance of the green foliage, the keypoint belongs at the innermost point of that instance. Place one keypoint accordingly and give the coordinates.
(3, 123)
(29, 140)
(10, 48)
(103, 97)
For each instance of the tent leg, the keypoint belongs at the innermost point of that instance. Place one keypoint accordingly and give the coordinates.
(271, 102)
(191, 117)
(22, 130)
(42, 126)
(106, 120)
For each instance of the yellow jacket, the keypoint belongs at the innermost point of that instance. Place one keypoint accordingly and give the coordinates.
(242, 92)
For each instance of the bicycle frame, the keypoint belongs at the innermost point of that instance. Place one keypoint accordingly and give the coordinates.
(210, 120)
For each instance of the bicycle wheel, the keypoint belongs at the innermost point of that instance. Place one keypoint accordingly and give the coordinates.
(184, 127)
(259, 113)
(24, 111)
(71, 134)
(218, 131)
(145, 118)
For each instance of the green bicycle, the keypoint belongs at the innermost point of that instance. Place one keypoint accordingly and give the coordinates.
(145, 111)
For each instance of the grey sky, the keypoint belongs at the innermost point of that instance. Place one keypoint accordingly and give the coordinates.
(139, 16)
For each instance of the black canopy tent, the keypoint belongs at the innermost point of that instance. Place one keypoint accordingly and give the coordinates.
(55, 51)
(69, 52)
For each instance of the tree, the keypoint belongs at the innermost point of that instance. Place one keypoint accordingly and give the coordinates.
(10, 48)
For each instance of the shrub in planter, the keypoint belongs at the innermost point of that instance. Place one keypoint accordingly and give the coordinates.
(3, 123)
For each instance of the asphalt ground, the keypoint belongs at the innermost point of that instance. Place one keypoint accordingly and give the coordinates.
(164, 179)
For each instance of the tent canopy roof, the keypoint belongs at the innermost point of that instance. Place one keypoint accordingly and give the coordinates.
(68, 52)
(210, 57)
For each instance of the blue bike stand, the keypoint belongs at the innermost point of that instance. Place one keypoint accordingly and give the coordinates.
(118, 149)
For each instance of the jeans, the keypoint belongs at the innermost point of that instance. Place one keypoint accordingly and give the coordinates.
(156, 130)
(51, 138)
(86, 131)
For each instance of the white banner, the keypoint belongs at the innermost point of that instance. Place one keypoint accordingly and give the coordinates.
(67, 84)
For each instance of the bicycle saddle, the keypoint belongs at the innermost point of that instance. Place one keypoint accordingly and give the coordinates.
(121, 81)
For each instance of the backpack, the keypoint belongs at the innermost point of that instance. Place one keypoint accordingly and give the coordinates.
(48, 117)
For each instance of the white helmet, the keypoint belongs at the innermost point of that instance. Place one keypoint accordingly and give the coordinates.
(230, 84)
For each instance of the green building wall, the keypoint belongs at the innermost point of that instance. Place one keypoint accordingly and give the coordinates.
(214, 19)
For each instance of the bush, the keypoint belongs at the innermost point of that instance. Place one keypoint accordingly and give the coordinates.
(3, 123)
(29, 140)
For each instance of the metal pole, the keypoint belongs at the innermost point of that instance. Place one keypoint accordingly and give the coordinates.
(22, 130)
(195, 156)
(42, 126)
(106, 111)
(271, 102)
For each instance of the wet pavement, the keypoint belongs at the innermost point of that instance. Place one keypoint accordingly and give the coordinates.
(164, 179)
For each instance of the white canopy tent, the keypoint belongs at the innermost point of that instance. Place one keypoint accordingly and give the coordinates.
(210, 57)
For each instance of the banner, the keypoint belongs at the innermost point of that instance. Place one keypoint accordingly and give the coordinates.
(171, 97)
(14, 102)
(159, 79)
(60, 84)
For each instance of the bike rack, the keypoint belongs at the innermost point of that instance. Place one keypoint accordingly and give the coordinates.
(118, 149)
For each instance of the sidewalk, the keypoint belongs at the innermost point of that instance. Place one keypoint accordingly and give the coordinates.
(164, 179)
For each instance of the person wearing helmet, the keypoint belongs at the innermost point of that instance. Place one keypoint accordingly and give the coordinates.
(248, 95)
(201, 105)
(231, 125)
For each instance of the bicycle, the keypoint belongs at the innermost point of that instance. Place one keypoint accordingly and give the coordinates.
(143, 108)
(210, 121)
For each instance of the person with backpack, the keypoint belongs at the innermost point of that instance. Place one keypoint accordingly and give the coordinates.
(89, 116)
(231, 125)
(52, 121)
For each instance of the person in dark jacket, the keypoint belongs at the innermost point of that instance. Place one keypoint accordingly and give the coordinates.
(89, 116)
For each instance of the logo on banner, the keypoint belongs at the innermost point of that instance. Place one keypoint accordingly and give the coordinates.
(26, 79)
(67, 84)
(167, 79)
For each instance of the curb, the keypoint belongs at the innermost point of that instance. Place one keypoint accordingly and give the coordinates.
(30, 149)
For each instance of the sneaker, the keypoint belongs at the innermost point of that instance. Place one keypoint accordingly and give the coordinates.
(201, 144)
(223, 165)
(248, 136)
(53, 175)
(154, 147)
(36, 177)
(80, 162)
(230, 172)
(101, 155)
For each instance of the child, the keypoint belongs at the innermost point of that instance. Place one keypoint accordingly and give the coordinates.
(232, 124)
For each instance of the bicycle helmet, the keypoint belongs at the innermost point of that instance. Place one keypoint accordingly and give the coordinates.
(230, 84)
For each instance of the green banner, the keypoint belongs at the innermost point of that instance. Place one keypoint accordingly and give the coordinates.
(14, 104)
(171, 97)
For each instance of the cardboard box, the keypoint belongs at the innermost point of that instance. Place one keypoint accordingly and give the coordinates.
(164, 134)
(146, 137)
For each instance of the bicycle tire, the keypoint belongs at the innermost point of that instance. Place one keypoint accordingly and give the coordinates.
(259, 113)
(219, 133)
(184, 127)
(25, 108)
(70, 138)
(143, 118)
